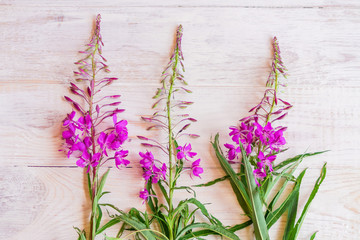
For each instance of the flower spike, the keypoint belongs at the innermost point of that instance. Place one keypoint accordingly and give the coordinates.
(89, 140)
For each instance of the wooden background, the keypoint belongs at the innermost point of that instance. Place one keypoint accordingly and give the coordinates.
(227, 55)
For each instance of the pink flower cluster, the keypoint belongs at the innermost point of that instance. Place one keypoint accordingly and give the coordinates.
(155, 171)
(151, 171)
(80, 144)
(185, 153)
(259, 140)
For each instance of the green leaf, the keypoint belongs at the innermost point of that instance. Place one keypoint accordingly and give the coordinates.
(150, 201)
(296, 158)
(112, 206)
(137, 225)
(103, 193)
(296, 230)
(99, 216)
(291, 163)
(240, 226)
(164, 192)
(288, 176)
(188, 189)
(112, 238)
(121, 230)
(158, 92)
(216, 181)
(313, 236)
(257, 216)
(236, 183)
(214, 229)
(102, 183)
(201, 207)
(282, 186)
(137, 214)
(81, 233)
(272, 217)
(291, 216)
(110, 223)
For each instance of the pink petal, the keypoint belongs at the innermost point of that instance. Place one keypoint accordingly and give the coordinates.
(81, 163)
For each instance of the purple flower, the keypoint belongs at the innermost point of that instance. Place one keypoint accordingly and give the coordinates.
(247, 141)
(111, 142)
(120, 158)
(67, 134)
(87, 142)
(267, 160)
(163, 170)
(196, 169)
(235, 133)
(81, 162)
(259, 173)
(156, 174)
(150, 169)
(244, 133)
(95, 159)
(102, 140)
(87, 159)
(277, 140)
(84, 122)
(121, 129)
(77, 149)
(69, 119)
(147, 175)
(265, 134)
(147, 159)
(185, 152)
(232, 152)
(144, 194)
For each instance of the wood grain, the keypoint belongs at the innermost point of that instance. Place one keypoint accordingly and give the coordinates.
(227, 55)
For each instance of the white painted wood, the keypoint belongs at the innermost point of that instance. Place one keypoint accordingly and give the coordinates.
(227, 53)
(185, 3)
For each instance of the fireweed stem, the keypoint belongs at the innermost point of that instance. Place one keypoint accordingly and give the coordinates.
(94, 172)
(171, 144)
(275, 94)
(81, 140)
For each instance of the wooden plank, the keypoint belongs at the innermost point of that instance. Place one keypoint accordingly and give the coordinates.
(232, 44)
(31, 130)
(185, 4)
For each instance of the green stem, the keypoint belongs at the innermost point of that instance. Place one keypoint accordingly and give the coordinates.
(276, 90)
(172, 181)
(94, 206)
(94, 202)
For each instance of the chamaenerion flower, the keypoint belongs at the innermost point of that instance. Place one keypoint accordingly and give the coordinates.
(91, 140)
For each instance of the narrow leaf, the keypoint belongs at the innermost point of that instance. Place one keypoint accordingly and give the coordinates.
(112, 222)
(294, 159)
(257, 216)
(237, 185)
(102, 183)
(216, 181)
(219, 230)
(272, 217)
(296, 230)
(240, 226)
(138, 226)
(313, 236)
